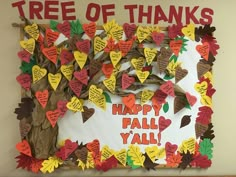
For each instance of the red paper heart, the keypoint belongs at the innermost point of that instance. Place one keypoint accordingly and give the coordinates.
(168, 88)
(42, 97)
(24, 147)
(51, 36)
(66, 150)
(24, 80)
(51, 54)
(53, 116)
(129, 101)
(76, 87)
(64, 28)
(158, 37)
(170, 149)
(90, 29)
(61, 106)
(24, 56)
(94, 147)
(191, 99)
(163, 123)
(127, 81)
(176, 46)
(66, 57)
(83, 46)
(107, 69)
(82, 76)
(129, 30)
(125, 46)
(160, 96)
(203, 50)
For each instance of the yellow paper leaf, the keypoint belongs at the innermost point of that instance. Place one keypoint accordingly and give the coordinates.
(208, 75)
(38, 73)
(201, 88)
(172, 67)
(146, 95)
(115, 57)
(28, 45)
(90, 161)
(81, 164)
(136, 155)
(75, 104)
(150, 54)
(110, 25)
(96, 96)
(142, 75)
(154, 28)
(32, 30)
(80, 58)
(110, 83)
(121, 156)
(106, 152)
(189, 31)
(188, 145)
(54, 80)
(67, 71)
(51, 164)
(206, 100)
(155, 153)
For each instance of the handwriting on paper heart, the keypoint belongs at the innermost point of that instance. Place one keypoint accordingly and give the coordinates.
(106, 152)
(125, 46)
(24, 56)
(38, 73)
(24, 147)
(42, 97)
(28, 45)
(107, 69)
(142, 33)
(54, 80)
(202, 69)
(138, 63)
(115, 57)
(51, 36)
(83, 46)
(110, 83)
(191, 99)
(61, 106)
(163, 123)
(146, 95)
(127, 81)
(142, 75)
(76, 87)
(64, 28)
(88, 112)
(129, 101)
(94, 147)
(82, 76)
(129, 30)
(51, 54)
(53, 116)
(66, 56)
(117, 32)
(67, 71)
(24, 80)
(176, 46)
(180, 74)
(150, 54)
(80, 58)
(168, 88)
(96, 96)
(75, 104)
(121, 156)
(99, 44)
(82, 154)
(189, 31)
(32, 30)
(158, 37)
(90, 29)
(179, 104)
(170, 149)
(203, 50)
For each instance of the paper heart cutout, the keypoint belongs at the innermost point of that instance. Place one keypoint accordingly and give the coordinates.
(83, 46)
(179, 104)
(28, 45)
(107, 69)
(142, 75)
(94, 67)
(51, 36)
(66, 57)
(32, 30)
(51, 54)
(80, 58)
(125, 46)
(38, 73)
(67, 71)
(99, 44)
(176, 46)
(42, 97)
(64, 28)
(202, 69)
(129, 30)
(65, 151)
(115, 57)
(160, 96)
(82, 76)
(110, 83)
(94, 147)
(200, 129)
(180, 74)
(162, 64)
(165, 53)
(76, 87)
(75, 104)
(24, 80)
(24, 147)
(90, 29)
(146, 95)
(158, 37)
(53, 116)
(116, 32)
(189, 31)
(129, 101)
(191, 99)
(163, 123)
(121, 156)
(88, 112)
(127, 81)
(96, 96)
(170, 149)
(168, 88)
(138, 63)
(54, 80)
(150, 54)
(82, 154)
(61, 107)
(24, 56)
(203, 50)
(142, 33)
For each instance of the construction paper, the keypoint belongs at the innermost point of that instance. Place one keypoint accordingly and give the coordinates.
(24, 80)
(82, 76)
(51, 36)
(54, 80)
(150, 54)
(76, 87)
(32, 30)
(115, 57)
(51, 164)
(42, 97)
(129, 30)
(138, 63)
(188, 31)
(176, 46)
(96, 97)
(107, 69)
(116, 32)
(28, 45)
(82, 154)
(168, 88)
(51, 54)
(53, 116)
(90, 29)
(185, 121)
(110, 83)
(83, 46)
(191, 99)
(24, 56)
(146, 95)
(142, 75)
(127, 81)
(202, 69)
(61, 107)
(80, 58)
(142, 33)
(66, 57)
(158, 37)
(121, 156)
(180, 73)
(94, 67)
(64, 28)
(129, 100)
(75, 104)
(24, 147)
(67, 71)
(88, 113)
(125, 46)
(38, 73)
(203, 50)
(99, 44)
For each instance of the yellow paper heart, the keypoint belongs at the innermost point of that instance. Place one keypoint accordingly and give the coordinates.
(121, 156)
(116, 69)
(32, 30)
(142, 76)
(99, 44)
(106, 152)
(138, 63)
(67, 71)
(117, 32)
(142, 33)
(154, 152)
(201, 87)
(208, 75)
(206, 101)
(38, 73)
(146, 95)
(75, 104)
(54, 80)
(115, 57)
(110, 83)
(189, 31)
(150, 54)
(96, 96)
(80, 58)
(28, 45)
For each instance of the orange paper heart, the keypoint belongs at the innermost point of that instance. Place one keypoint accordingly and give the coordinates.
(107, 69)
(51, 36)
(42, 97)
(53, 116)
(51, 54)
(203, 50)
(24, 147)
(129, 100)
(90, 29)
(191, 99)
(176, 46)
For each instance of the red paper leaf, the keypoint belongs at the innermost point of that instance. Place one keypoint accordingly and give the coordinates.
(111, 46)
(108, 164)
(36, 165)
(174, 160)
(204, 115)
(66, 150)
(175, 30)
(201, 161)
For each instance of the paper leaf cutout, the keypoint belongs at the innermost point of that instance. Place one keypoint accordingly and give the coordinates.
(94, 147)
(203, 31)
(206, 148)
(188, 145)
(66, 57)
(185, 121)
(51, 37)
(138, 64)
(136, 156)
(82, 76)
(146, 95)
(111, 45)
(24, 147)
(150, 54)
(51, 54)
(51, 164)
(180, 74)
(32, 30)
(42, 97)
(170, 149)
(208, 133)
(174, 160)
(25, 81)
(121, 156)
(80, 58)
(176, 46)
(148, 163)
(155, 153)
(25, 108)
(168, 88)
(142, 33)
(110, 83)
(130, 162)
(142, 75)
(88, 113)
(76, 28)
(175, 30)
(166, 107)
(107, 69)
(24, 56)
(67, 71)
(67, 149)
(53, 25)
(212, 44)
(83, 46)
(107, 164)
(27, 67)
(201, 161)
(115, 57)
(90, 29)
(179, 104)
(125, 46)
(200, 129)
(158, 37)
(99, 44)
(106, 152)
(107, 96)
(191, 99)
(186, 160)
(204, 115)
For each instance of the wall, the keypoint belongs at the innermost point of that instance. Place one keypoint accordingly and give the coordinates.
(224, 71)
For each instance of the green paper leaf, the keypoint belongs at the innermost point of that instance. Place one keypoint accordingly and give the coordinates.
(27, 67)
(173, 57)
(53, 25)
(168, 77)
(130, 162)
(166, 107)
(76, 28)
(188, 106)
(107, 96)
(206, 148)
